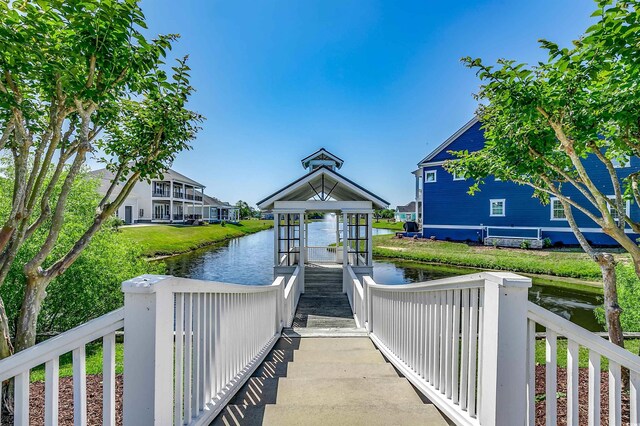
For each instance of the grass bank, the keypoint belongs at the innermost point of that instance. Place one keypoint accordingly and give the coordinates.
(396, 226)
(166, 240)
(556, 262)
(94, 358)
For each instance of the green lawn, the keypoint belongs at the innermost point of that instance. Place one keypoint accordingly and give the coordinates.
(159, 240)
(632, 345)
(563, 263)
(396, 226)
(94, 362)
(94, 358)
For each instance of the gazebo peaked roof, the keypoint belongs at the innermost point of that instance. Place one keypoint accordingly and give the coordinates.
(323, 154)
(323, 184)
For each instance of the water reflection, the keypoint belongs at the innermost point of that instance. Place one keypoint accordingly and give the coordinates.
(249, 260)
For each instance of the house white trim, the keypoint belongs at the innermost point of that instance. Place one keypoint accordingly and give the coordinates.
(435, 176)
(542, 228)
(551, 203)
(504, 207)
(448, 142)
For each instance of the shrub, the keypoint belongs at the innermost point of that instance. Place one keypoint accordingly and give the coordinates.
(546, 243)
(525, 244)
(91, 286)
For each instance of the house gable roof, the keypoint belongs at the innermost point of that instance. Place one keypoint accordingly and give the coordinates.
(449, 141)
(409, 208)
(167, 174)
(323, 181)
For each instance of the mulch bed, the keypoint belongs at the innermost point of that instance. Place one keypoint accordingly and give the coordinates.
(94, 400)
(65, 411)
(583, 397)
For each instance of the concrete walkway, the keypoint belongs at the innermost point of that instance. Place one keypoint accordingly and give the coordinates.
(325, 371)
(327, 381)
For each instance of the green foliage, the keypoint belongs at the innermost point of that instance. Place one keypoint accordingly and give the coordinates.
(546, 242)
(384, 214)
(542, 121)
(525, 244)
(91, 286)
(245, 210)
(78, 78)
(628, 286)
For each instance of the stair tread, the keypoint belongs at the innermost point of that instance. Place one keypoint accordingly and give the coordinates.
(367, 415)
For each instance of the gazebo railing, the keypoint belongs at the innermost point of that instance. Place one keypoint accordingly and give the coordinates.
(316, 254)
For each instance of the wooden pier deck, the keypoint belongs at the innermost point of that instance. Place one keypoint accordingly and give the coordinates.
(323, 304)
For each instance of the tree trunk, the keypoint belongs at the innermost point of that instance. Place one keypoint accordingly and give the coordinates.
(612, 310)
(34, 294)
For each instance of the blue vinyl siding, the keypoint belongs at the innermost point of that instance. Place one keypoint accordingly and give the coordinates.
(447, 203)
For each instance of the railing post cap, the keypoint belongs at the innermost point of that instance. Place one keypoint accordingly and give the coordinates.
(144, 283)
(508, 279)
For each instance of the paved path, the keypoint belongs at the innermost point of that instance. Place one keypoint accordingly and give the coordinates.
(328, 381)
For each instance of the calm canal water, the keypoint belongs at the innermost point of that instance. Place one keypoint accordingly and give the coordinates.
(249, 260)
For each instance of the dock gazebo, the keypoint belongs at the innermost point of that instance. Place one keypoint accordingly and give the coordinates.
(324, 190)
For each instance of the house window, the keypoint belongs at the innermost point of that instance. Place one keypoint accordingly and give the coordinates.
(456, 176)
(621, 162)
(497, 208)
(614, 211)
(429, 176)
(557, 210)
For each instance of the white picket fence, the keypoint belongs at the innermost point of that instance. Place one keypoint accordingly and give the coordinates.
(18, 367)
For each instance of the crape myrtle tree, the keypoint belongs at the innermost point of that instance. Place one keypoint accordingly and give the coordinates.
(78, 78)
(542, 124)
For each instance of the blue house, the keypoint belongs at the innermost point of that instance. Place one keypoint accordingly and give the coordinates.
(501, 211)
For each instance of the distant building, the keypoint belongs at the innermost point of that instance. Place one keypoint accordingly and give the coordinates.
(219, 211)
(501, 210)
(174, 198)
(406, 213)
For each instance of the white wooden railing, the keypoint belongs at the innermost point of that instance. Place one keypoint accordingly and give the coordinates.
(18, 366)
(323, 254)
(291, 296)
(356, 295)
(222, 333)
(597, 348)
(461, 341)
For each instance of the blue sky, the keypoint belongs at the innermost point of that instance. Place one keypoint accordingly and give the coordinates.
(379, 84)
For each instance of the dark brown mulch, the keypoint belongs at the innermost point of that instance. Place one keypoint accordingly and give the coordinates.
(65, 413)
(94, 399)
(583, 397)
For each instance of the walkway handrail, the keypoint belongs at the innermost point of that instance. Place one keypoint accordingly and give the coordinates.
(356, 295)
(598, 348)
(191, 344)
(18, 367)
(458, 340)
(291, 297)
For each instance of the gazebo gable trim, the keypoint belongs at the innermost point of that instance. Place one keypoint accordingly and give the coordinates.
(322, 151)
(366, 194)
